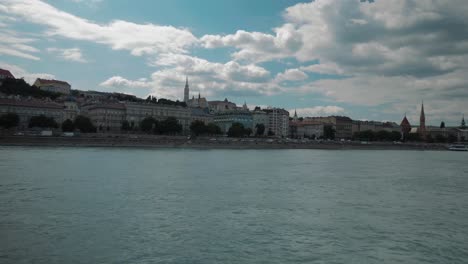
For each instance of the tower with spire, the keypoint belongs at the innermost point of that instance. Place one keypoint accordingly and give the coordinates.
(186, 90)
(422, 122)
(295, 118)
(463, 124)
(405, 128)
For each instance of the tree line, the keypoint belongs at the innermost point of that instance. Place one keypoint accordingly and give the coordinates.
(21, 87)
(169, 126)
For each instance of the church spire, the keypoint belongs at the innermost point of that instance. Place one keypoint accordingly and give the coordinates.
(186, 90)
(422, 122)
(463, 124)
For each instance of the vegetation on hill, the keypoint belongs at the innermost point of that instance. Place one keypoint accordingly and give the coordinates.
(9, 120)
(20, 87)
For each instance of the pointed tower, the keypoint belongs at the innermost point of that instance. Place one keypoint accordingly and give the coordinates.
(405, 127)
(295, 118)
(463, 124)
(186, 90)
(244, 106)
(422, 122)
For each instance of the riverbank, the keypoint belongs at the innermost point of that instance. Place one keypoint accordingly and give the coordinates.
(206, 143)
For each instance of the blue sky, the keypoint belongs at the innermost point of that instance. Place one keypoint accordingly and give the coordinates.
(368, 60)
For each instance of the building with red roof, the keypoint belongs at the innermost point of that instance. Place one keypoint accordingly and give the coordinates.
(55, 86)
(4, 74)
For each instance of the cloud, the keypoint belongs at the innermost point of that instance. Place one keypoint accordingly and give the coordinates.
(13, 44)
(19, 72)
(73, 54)
(139, 39)
(291, 75)
(118, 81)
(318, 111)
(257, 46)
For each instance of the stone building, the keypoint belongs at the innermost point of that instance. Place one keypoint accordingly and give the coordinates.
(221, 106)
(106, 117)
(260, 117)
(27, 108)
(55, 86)
(278, 121)
(225, 119)
(136, 112)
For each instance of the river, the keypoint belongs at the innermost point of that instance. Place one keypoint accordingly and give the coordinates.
(127, 205)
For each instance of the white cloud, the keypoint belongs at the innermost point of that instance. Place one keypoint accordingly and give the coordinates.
(291, 75)
(318, 111)
(73, 54)
(118, 81)
(139, 39)
(19, 72)
(12, 44)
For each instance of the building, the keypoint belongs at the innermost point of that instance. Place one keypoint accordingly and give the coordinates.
(221, 106)
(405, 128)
(106, 117)
(201, 114)
(342, 125)
(5, 74)
(71, 109)
(199, 102)
(422, 123)
(374, 126)
(306, 128)
(27, 108)
(55, 86)
(186, 91)
(225, 119)
(259, 117)
(136, 112)
(278, 122)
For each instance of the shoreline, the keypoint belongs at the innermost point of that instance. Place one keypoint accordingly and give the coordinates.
(178, 142)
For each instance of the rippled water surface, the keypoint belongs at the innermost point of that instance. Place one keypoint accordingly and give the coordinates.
(98, 205)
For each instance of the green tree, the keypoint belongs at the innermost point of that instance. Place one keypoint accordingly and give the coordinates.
(9, 120)
(20, 87)
(329, 132)
(125, 126)
(440, 138)
(442, 124)
(260, 129)
(170, 126)
(452, 138)
(270, 133)
(147, 124)
(42, 121)
(198, 128)
(213, 129)
(68, 126)
(238, 130)
(84, 124)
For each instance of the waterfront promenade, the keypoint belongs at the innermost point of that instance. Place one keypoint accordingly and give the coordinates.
(205, 143)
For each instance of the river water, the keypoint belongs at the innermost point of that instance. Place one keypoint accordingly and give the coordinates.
(118, 205)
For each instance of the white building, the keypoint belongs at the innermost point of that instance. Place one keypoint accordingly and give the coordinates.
(278, 121)
(55, 86)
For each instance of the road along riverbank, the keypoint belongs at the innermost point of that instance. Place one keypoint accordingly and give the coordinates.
(206, 143)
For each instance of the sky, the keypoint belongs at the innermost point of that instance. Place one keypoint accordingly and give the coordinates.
(370, 60)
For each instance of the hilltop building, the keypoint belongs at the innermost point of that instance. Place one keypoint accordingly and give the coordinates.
(199, 102)
(55, 86)
(221, 106)
(5, 74)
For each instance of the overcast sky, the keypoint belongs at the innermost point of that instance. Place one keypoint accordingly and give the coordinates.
(371, 60)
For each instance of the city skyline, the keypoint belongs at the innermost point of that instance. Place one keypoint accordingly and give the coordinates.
(371, 60)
